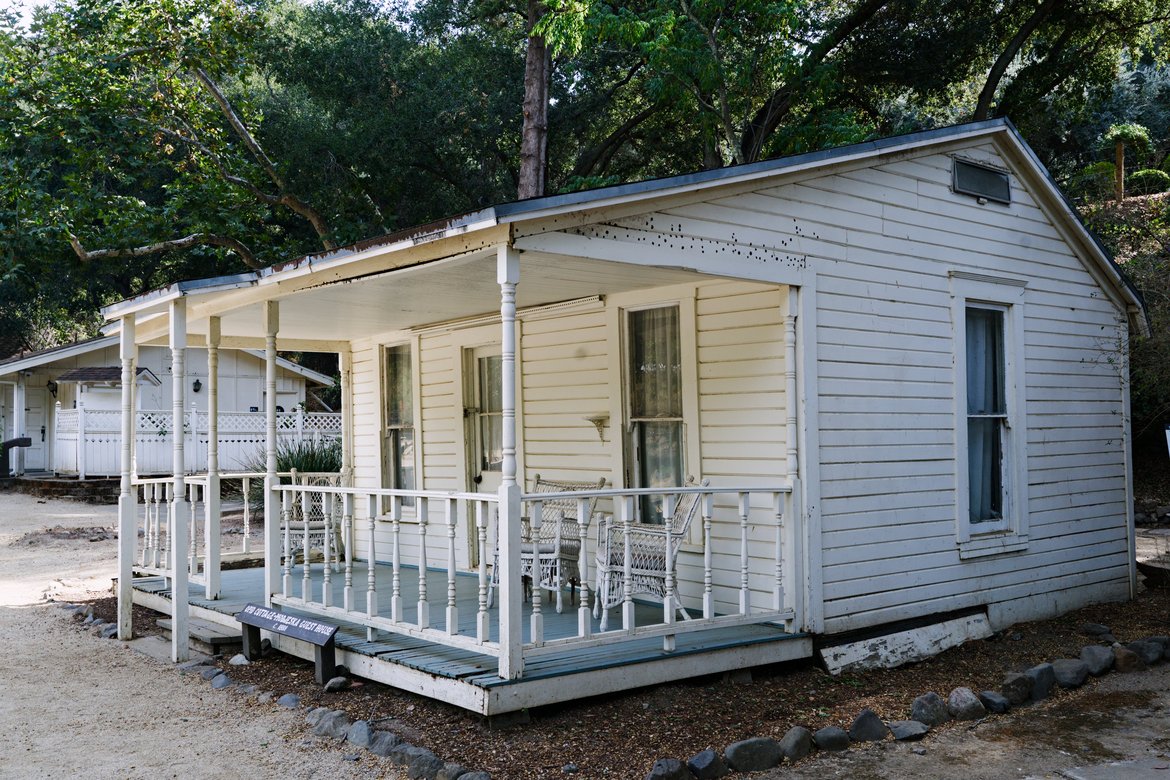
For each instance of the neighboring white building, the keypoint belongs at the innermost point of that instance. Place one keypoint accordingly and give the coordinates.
(915, 336)
(86, 374)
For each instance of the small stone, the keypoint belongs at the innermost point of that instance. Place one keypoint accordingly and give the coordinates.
(337, 684)
(1070, 672)
(669, 769)
(831, 738)
(359, 733)
(908, 730)
(1108, 639)
(707, 765)
(245, 690)
(1043, 678)
(1150, 652)
(239, 659)
(341, 670)
(1099, 659)
(220, 681)
(994, 702)
(929, 708)
(350, 757)
(868, 727)
(332, 724)
(265, 646)
(753, 755)
(210, 672)
(289, 700)
(796, 743)
(570, 769)
(425, 766)
(265, 697)
(1126, 660)
(451, 772)
(1016, 688)
(313, 716)
(1094, 629)
(963, 704)
(110, 630)
(383, 742)
(918, 751)
(88, 619)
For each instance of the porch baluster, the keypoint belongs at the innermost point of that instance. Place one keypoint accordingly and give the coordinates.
(193, 524)
(536, 510)
(286, 499)
(147, 538)
(247, 488)
(584, 624)
(396, 559)
(482, 626)
(627, 509)
(669, 598)
(327, 552)
(306, 507)
(452, 610)
(347, 539)
(424, 606)
(744, 594)
(168, 526)
(778, 509)
(371, 576)
(708, 593)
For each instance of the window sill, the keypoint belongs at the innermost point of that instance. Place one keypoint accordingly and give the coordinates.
(993, 544)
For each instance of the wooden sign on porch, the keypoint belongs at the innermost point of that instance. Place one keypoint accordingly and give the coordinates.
(254, 617)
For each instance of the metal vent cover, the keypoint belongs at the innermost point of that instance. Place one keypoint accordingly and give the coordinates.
(981, 181)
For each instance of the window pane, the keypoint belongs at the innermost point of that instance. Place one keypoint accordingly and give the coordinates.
(399, 388)
(405, 466)
(985, 362)
(655, 364)
(985, 468)
(491, 392)
(660, 445)
(491, 436)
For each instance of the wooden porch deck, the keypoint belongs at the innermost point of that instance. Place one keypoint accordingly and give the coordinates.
(469, 679)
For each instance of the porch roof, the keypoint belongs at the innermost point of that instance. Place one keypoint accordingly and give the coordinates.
(462, 251)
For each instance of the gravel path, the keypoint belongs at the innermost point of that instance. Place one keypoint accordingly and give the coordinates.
(74, 705)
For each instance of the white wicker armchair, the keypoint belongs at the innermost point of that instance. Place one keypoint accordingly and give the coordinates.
(653, 548)
(323, 517)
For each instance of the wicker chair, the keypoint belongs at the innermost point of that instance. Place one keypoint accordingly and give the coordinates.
(322, 523)
(556, 550)
(653, 548)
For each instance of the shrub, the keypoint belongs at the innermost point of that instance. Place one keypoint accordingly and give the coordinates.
(307, 457)
(1148, 182)
(1094, 181)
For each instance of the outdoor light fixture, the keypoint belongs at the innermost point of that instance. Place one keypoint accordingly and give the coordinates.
(197, 386)
(52, 386)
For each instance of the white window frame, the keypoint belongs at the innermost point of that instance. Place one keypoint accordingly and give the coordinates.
(387, 478)
(1008, 296)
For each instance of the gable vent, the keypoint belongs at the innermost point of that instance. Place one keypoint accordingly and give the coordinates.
(982, 181)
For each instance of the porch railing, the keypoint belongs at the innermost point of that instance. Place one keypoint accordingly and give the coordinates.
(755, 580)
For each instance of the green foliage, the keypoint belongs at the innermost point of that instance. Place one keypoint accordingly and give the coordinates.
(1094, 181)
(1130, 134)
(1148, 182)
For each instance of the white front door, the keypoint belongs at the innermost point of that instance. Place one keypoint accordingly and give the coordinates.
(483, 420)
(36, 426)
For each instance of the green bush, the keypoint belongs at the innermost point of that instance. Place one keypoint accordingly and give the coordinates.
(1148, 182)
(307, 457)
(1094, 181)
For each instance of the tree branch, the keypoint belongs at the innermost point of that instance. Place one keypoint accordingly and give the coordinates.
(195, 239)
(1000, 66)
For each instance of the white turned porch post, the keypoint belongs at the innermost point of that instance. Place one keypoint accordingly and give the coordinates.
(80, 437)
(271, 503)
(19, 421)
(511, 630)
(790, 568)
(212, 541)
(179, 554)
(127, 502)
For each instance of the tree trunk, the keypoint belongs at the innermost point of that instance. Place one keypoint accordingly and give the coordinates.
(1005, 58)
(534, 135)
(1119, 172)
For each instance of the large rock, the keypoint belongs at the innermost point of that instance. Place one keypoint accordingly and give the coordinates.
(831, 738)
(707, 765)
(929, 708)
(908, 730)
(290, 701)
(868, 727)
(239, 659)
(1150, 652)
(753, 755)
(963, 704)
(382, 742)
(1043, 679)
(403, 753)
(313, 716)
(451, 771)
(424, 766)
(994, 702)
(359, 733)
(210, 673)
(221, 681)
(1126, 660)
(669, 769)
(336, 684)
(1016, 688)
(796, 743)
(1070, 672)
(476, 776)
(334, 724)
(1099, 659)
(1094, 629)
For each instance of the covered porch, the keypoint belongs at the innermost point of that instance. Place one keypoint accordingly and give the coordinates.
(722, 588)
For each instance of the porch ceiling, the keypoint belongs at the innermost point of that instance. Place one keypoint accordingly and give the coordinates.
(441, 291)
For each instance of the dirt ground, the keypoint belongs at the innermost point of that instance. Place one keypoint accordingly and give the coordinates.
(103, 710)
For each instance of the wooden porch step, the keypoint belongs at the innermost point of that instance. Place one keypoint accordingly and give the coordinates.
(205, 637)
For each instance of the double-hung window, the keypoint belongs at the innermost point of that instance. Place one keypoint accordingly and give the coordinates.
(991, 495)
(398, 434)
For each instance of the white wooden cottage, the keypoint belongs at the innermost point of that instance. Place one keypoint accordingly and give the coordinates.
(896, 372)
(67, 399)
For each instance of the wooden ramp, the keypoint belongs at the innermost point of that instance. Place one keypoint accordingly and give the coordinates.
(469, 680)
